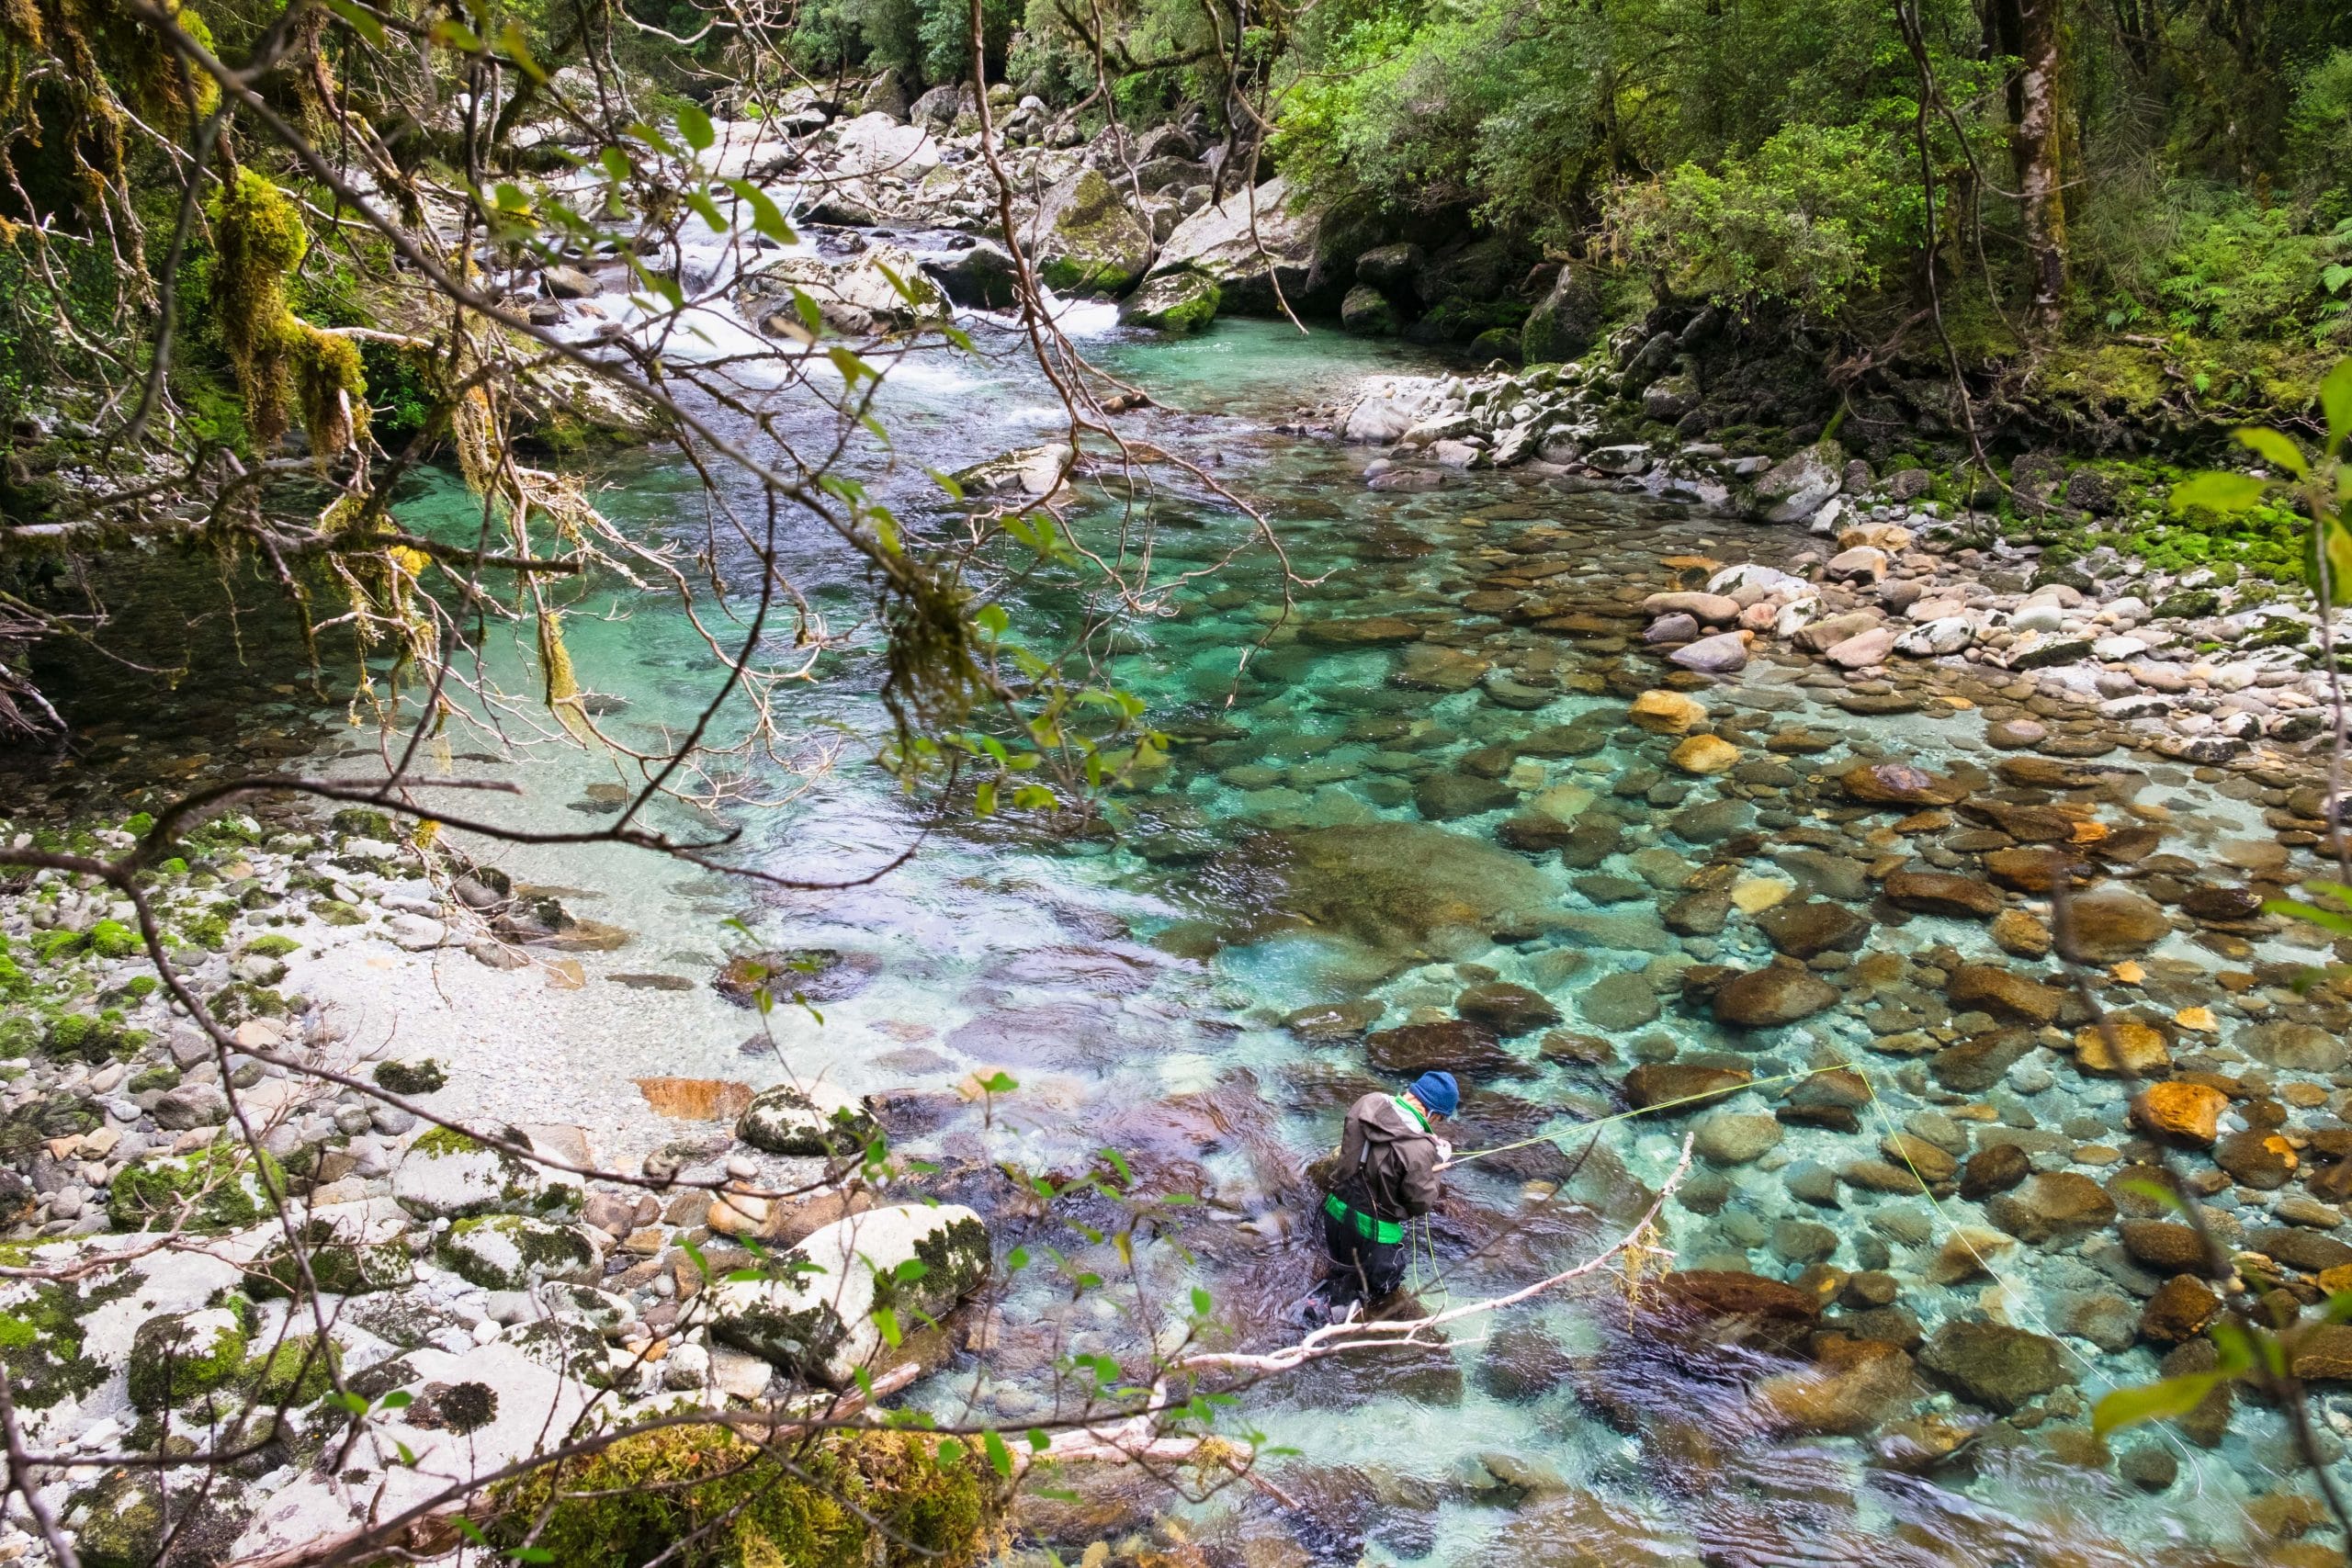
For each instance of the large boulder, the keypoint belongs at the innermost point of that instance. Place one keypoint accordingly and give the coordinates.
(982, 275)
(1177, 303)
(1033, 471)
(879, 144)
(1245, 243)
(1086, 240)
(1566, 320)
(1799, 485)
(516, 1252)
(1385, 884)
(813, 1119)
(884, 288)
(815, 1309)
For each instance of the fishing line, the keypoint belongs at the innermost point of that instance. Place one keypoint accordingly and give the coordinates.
(1700, 1098)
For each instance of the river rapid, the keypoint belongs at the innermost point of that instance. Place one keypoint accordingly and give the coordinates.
(1367, 856)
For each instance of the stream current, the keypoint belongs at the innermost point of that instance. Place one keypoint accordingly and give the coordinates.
(1297, 910)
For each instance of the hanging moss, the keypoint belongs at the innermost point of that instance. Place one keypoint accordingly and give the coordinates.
(280, 359)
(259, 235)
(848, 1500)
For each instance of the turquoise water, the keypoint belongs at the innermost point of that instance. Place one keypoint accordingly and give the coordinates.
(1327, 834)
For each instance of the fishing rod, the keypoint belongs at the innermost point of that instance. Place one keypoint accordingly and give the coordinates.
(1705, 1095)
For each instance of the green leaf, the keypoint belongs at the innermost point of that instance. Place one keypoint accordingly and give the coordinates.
(983, 798)
(998, 1082)
(450, 33)
(1200, 1302)
(695, 125)
(888, 1322)
(2155, 1191)
(398, 1399)
(2220, 493)
(2152, 1402)
(707, 209)
(2275, 448)
(999, 1460)
(2335, 400)
(1017, 1259)
(517, 48)
(2295, 909)
(361, 21)
(616, 163)
(951, 1451)
(532, 1554)
(910, 1270)
(767, 218)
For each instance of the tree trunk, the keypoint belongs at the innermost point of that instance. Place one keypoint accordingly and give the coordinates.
(2030, 29)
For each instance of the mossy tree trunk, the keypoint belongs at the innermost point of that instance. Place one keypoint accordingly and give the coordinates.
(2032, 33)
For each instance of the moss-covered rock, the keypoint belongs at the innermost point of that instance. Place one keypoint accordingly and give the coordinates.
(182, 1356)
(217, 1189)
(1177, 303)
(814, 1119)
(122, 1521)
(846, 1500)
(1086, 240)
(412, 1077)
(345, 1260)
(42, 1337)
(514, 1252)
(446, 1175)
(295, 1371)
(816, 1309)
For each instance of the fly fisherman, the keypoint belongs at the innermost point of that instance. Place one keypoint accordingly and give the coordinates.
(1390, 1156)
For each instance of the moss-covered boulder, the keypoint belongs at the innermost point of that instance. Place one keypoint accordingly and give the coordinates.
(814, 1119)
(816, 1309)
(446, 1175)
(121, 1522)
(1177, 303)
(1086, 239)
(220, 1188)
(843, 1500)
(515, 1252)
(182, 1356)
(295, 1371)
(351, 1249)
(42, 1332)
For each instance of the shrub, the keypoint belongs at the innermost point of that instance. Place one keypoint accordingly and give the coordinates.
(1818, 214)
(846, 1500)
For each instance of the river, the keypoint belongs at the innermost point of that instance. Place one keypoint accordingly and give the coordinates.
(1325, 838)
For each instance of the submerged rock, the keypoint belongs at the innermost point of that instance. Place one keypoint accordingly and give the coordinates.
(814, 1118)
(1392, 885)
(1994, 1365)
(1767, 999)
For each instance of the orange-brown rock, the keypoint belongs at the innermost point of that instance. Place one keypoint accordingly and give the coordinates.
(2191, 1112)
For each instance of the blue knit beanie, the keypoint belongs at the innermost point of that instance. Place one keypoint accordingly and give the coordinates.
(1436, 1091)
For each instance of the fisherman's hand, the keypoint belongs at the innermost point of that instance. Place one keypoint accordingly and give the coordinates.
(1445, 1151)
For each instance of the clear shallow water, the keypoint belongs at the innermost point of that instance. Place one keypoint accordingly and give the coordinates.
(1288, 860)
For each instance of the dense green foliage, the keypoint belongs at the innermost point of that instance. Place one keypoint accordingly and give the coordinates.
(842, 1500)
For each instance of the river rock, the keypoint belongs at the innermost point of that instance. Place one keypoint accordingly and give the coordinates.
(1177, 303)
(878, 143)
(1813, 927)
(1995, 1169)
(815, 1313)
(1668, 712)
(1768, 997)
(1734, 1137)
(2055, 1206)
(856, 297)
(1506, 1009)
(1996, 1366)
(1797, 485)
(2293, 1047)
(2003, 993)
(1615, 1003)
(1941, 893)
(446, 1175)
(2109, 924)
(2136, 1049)
(1457, 1047)
(516, 1252)
(815, 1118)
(2180, 1310)
(1862, 649)
(2256, 1157)
(1033, 471)
(1386, 882)
(1725, 653)
(1852, 1386)
(2165, 1245)
(1681, 1085)
(1245, 258)
(1976, 1064)
(1728, 1300)
(2189, 1112)
(1899, 784)
(1444, 798)
(1703, 755)
(1086, 240)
